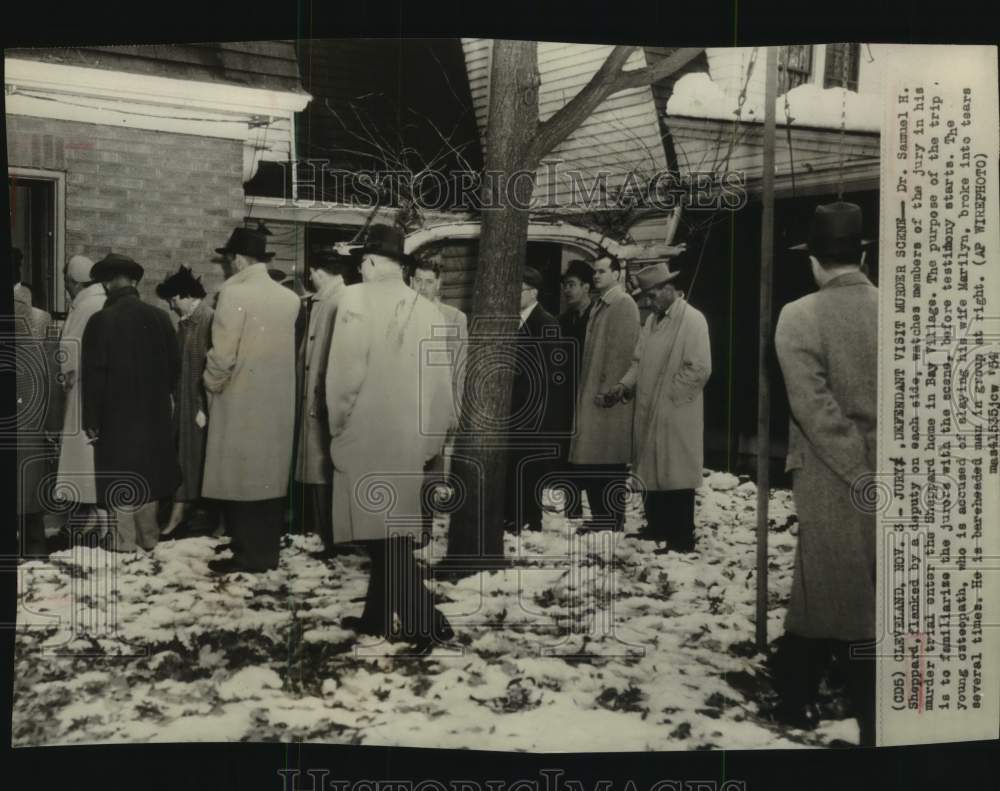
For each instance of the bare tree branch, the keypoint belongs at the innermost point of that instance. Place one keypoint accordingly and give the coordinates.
(609, 79)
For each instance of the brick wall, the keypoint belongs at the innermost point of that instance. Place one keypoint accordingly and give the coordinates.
(164, 199)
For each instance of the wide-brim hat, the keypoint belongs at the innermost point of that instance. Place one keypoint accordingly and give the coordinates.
(532, 277)
(114, 264)
(835, 232)
(251, 242)
(385, 240)
(651, 276)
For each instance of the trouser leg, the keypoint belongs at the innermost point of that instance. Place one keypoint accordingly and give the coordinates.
(256, 527)
(799, 669)
(123, 531)
(679, 525)
(33, 536)
(321, 506)
(655, 503)
(377, 612)
(860, 660)
(409, 595)
(603, 483)
(434, 476)
(147, 526)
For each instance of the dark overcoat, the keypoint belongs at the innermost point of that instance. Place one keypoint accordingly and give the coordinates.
(194, 334)
(130, 365)
(541, 359)
(827, 344)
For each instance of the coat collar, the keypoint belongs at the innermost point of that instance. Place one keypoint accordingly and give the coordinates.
(256, 271)
(117, 294)
(331, 289)
(857, 278)
(613, 294)
(91, 291)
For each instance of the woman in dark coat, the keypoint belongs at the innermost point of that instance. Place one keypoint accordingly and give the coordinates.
(186, 297)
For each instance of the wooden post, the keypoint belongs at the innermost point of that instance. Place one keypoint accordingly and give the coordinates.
(764, 345)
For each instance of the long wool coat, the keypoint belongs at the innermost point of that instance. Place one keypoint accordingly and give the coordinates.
(194, 335)
(389, 401)
(827, 344)
(130, 365)
(250, 376)
(604, 436)
(75, 478)
(670, 366)
(35, 368)
(312, 463)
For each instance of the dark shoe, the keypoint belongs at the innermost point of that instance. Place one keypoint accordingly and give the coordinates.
(360, 625)
(229, 566)
(338, 550)
(441, 632)
(662, 551)
(224, 547)
(804, 717)
(644, 534)
(183, 530)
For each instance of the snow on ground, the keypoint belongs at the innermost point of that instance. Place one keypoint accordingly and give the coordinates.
(586, 644)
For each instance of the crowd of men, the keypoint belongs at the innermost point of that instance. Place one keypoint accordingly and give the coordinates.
(329, 403)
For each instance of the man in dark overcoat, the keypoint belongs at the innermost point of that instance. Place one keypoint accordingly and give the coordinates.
(130, 365)
(827, 344)
(577, 288)
(538, 418)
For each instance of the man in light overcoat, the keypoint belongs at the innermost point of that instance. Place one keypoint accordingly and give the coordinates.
(827, 344)
(390, 407)
(602, 444)
(671, 363)
(250, 384)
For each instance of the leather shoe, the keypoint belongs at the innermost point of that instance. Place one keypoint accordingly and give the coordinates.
(228, 566)
(804, 716)
(361, 625)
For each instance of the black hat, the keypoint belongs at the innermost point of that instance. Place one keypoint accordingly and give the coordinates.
(385, 240)
(251, 242)
(532, 277)
(835, 232)
(113, 265)
(581, 270)
(182, 283)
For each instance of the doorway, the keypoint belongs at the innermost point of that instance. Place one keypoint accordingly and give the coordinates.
(36, 201)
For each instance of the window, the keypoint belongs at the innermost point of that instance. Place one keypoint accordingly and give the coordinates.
(794, 67)
(36, 229)
(837, 57)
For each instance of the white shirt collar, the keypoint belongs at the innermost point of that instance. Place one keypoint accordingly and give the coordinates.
(527, 312)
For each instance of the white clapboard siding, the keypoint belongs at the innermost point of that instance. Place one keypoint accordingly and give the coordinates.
(622, 135)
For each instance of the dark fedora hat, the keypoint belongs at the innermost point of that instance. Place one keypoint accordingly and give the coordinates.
(532, 277)
(385, 240)
(113, 265)
(835, 232)
(251, 242)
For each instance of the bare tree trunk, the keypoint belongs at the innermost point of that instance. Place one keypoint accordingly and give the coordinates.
(475, 538)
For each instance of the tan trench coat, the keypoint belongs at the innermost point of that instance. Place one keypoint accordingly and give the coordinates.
(312, 463)
(389, 408)
(250, 382)
(670, 366)
(827, 344)
(604, 436)
(75, 479)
